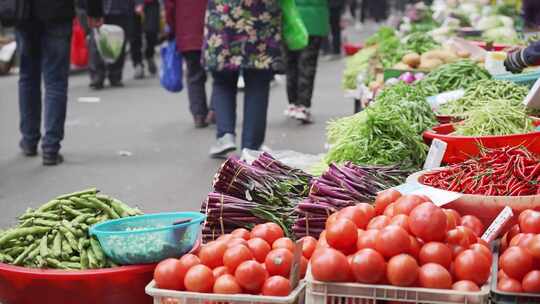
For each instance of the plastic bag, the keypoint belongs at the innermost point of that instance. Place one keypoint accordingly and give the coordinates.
(79, 49)
(109, 40)
(294, 30)
(170, 74)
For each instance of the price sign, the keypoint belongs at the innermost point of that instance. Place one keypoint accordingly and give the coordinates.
(498, 223)
(435, 154)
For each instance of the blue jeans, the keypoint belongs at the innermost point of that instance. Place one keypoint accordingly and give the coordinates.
(44, 49)
(256, 94)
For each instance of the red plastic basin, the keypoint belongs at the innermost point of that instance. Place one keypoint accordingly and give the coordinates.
(496, 46)
(461, 148)
(118, 285)
(351, 49)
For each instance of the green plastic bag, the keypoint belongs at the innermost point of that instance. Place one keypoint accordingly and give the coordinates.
(295, 33)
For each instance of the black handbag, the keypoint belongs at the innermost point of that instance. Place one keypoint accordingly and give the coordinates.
(13, 12)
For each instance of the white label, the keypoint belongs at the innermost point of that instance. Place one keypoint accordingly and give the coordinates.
(437, 100)
(7, 51)
(533, 98)
(435, 155)
(498, 223)
(437, 196)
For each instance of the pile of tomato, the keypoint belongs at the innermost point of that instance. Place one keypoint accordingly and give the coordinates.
(519, 263)
(403, 241)
(257, 262)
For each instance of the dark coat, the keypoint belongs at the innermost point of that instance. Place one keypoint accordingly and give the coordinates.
(61, 10)
(186, 19)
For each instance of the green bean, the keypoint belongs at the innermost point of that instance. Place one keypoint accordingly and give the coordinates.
(71, 211)
(47, 223)
(54, 263)
(92, 221)
(119, 209)
(78, 193)
(43, 215)
(96, 249)
(75, 232)
(66, 249)
(49, 205)
(14, 251)
(25, 253)
(92, 262)
(5, 258)
(80, 244)
(84, 259)
(72, 265)
(82, 203)
(34, 253)
(112, 214)
(43, 249)
(57, 245)
(81, 219)
(70, 238)
(22, 232)
(75, 258)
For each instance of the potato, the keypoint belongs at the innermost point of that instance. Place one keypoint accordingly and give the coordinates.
(443, 55)
(411, 59)
(463, 54)
(402, 66)
(430, 64)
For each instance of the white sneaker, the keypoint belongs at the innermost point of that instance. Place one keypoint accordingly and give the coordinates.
(303, 114)
(241, 83)
(223, 145)
(290, 111)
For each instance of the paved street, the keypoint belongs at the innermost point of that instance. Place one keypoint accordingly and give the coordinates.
(168, 168)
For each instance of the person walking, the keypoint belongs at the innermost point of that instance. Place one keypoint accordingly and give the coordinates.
(116, 12)
(241, 36)
(333, 46)
(301, 65)
(44, 43)
(145, 24)
(186, 22)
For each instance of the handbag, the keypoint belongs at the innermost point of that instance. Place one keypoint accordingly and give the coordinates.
(294, 31)
(13, 12)
(79, 48)
(170, 74)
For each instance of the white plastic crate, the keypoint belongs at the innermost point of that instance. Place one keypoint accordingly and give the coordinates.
(163, 296)
(355, 293)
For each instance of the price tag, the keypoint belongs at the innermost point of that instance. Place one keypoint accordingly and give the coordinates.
(533, 98)
(498, 223)
(437, 196)
(435, 154)
(295, 267)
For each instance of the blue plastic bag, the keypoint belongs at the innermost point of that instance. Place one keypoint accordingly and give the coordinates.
(170, 75)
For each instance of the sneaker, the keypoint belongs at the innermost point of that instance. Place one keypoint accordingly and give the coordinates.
(152, 68)
(28, 151)
(139, 71)
(290, 111)
(52, 159)
(223, 145)
(96, 85)
(304, 115)
(200, 121)
(241, 83)
(117, 84)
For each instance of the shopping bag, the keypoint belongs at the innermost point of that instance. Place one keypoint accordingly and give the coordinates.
(109, 40)
(79, 48)
(170, 74)
(294, 31)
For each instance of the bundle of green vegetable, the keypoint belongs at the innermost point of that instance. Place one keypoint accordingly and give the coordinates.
(485, 92)
(458, 75)
(55, 235)
(386, 133)
(355, 65)
(388, 46)
(419, 43)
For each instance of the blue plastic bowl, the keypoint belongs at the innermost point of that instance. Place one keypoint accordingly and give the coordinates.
(148, 238)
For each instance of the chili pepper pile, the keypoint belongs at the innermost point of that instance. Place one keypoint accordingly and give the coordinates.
(510, 171)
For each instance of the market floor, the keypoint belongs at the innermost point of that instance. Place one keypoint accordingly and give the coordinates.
(138, 144)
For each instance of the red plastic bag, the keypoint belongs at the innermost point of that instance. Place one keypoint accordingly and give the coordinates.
(79, 48)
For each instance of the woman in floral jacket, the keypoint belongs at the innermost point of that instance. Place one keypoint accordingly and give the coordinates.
(241, 36)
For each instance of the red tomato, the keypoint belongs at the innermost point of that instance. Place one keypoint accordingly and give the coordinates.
(483, 250)
(509, 285)
(516, 262)
(433, 275)
(368, 266)
(278, 262)
(342, 234)
(354, 214)
(435, 252)
(188, 260)
(284, 242)
(234, 256)
(329, 265)
(452, 218)
(414, 247)
(169, 274)
(512, 232)
(367, 239)
(428, 222)
(219, 271)
(522, 240)
(501, 274)
(531, 282)
(474, 223)
(332, 218)
(390, 211)
(322, 243)
(406, 203)
(241, 233)
(235, 241)
(227, 284)
(224, 237)
(378, 222)
(309, 244)
(268, 232)
(211, 254)
(462, 236)
(384, 199)
(303, 267)
(534, 246)
(199, 278)
(276, 286)
(529, 221)
(392, 240)
(465, 285)
(367, 209)
(259, 248)
(250, 275)
(400, 220)
(473, 266)
(402, 270)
